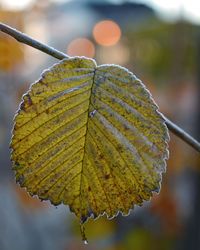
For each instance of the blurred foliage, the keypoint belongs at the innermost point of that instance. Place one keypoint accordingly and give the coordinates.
(166, 52)
(141, 239)
(11, 52)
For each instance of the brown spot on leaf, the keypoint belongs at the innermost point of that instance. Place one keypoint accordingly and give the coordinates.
(107, 176)
(29, 100)
(119, 148)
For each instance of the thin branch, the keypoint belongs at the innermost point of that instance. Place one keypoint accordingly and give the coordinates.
(23, 38)
(182, 134)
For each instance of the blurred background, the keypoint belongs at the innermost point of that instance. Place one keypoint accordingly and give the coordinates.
(157, 40)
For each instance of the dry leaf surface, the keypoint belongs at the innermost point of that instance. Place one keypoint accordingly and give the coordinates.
(90, 137)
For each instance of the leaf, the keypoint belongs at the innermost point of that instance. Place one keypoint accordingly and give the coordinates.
(90, 137)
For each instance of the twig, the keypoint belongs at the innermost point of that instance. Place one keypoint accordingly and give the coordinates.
(23, 38)
(182, 134)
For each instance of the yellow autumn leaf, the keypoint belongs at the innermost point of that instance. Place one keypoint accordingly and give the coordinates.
(90, 137)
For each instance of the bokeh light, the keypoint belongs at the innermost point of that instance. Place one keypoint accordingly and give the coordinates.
(81, 47)
(15, 4)
(107, 33)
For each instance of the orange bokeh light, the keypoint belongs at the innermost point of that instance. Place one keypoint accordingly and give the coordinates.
(81, 47)
(107, 33)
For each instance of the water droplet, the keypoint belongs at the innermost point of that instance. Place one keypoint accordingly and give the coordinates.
(92, 113)
(85, 242)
